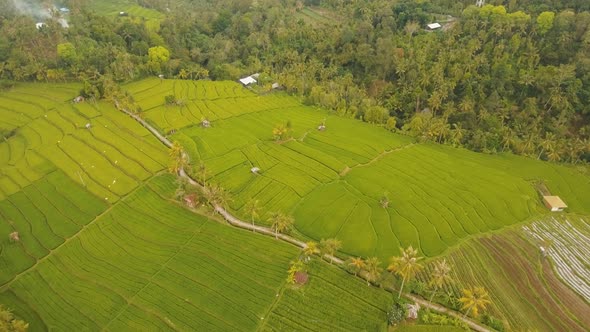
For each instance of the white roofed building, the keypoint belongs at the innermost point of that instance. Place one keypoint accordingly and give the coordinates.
(247, 80)
(434, 26)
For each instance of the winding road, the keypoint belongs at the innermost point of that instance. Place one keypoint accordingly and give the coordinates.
(232, 220)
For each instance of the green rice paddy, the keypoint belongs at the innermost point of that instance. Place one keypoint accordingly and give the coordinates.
(131, 7)
(109, 159)
(104, 247)
(149, 264)
(332, 181)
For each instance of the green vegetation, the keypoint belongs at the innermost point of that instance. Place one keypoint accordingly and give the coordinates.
(149, 264)
(331, 301)
(95, 145)
(510, 76)
(86, 206)
(333, 181)
(525, 289)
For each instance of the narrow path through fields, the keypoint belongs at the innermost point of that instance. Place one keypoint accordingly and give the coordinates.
(232, 220)
(374, 160)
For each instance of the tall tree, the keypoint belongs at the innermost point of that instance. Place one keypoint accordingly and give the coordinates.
(9, 323)
(356, 264)
(440, 276)
(406, 265)
(311, 247)
(374, 270)
(252, 209)
(217, 195)
(330, 246)
(474, 299)
(280, 223)
(178, 158)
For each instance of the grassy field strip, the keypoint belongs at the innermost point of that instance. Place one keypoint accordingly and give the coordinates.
(136, 263)
(42, 221)
(330, 302)
(59, 136)
(569, 249)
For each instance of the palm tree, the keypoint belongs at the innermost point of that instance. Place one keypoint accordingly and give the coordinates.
(179, 159)
(329, 247)
(253, 210)
(440, 276)
(411, 28)
(216, 195)
(406, 265)
(373, 268)
(202, 174)
(280, 222)
(311, 248)
(357, 264)
(553, 155)
(547, 144)
(473, 299)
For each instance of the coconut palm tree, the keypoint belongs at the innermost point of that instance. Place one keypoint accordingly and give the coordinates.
(441, 275)
(202, 174)
(357, 264)
(252, 210)
(311, 248)
(178, 159)
(216, 195)
(329, 247)
(474, 299)
(373, 268)
(406, 265)
(280, 222)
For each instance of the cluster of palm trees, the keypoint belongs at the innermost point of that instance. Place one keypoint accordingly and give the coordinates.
(407, 265)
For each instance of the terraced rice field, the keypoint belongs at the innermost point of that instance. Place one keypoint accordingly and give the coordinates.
(526, 292)
(568, 245)
(57, 176)
(103, 247)
(110, 159)
(332, 181)
(148, 264)
(331, 301)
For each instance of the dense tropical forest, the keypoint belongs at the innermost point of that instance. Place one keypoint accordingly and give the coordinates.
(508, 76)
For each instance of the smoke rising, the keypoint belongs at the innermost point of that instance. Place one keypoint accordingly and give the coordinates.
(31, 8)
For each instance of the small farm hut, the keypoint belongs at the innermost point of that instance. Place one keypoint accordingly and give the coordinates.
(14, 237)
(190, 200)
(301, 277)
(254, 170)
(205, 123)
(64, 10)
(123, 14)
(88, 125)
(554, 203)
(275, 85)
(433, 26)
(322, 127)
(40, 25)
(78, 99)
(247, 80)
(413, 310)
